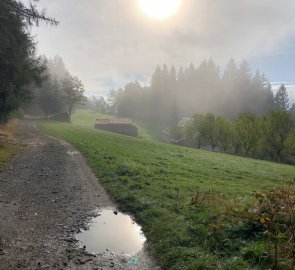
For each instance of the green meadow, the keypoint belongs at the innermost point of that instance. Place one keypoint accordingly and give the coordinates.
(156, 182)
(146, 130)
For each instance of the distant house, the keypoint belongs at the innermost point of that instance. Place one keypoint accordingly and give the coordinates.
(121, 126)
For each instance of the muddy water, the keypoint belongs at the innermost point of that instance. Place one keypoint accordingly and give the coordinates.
(112, 231)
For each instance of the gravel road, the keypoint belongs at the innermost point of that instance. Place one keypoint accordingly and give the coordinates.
(48, 194)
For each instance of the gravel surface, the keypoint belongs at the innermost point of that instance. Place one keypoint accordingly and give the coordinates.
(48, 194)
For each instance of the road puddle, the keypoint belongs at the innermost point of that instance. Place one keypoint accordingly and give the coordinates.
(72, 152)
(112, 231)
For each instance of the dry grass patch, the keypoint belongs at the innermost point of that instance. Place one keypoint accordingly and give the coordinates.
(7, 130)
(7, 148)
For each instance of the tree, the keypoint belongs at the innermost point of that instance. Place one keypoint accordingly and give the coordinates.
(130, 100)
(209, 129)
(49, 97)
(277, 128)
(29, 15)
(161, 94)
(56, 67)
(18, 62)
(260, 95)
(194, 129)
(197, 90)
(246, 130)
(281, 99)
(98, 104)
(244, 75)
(73, 91)
(114, 100)
(231, 73)
(224, 132)
(292, 111)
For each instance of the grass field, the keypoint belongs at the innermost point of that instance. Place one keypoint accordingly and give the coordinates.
(156, 182)
(87, 118)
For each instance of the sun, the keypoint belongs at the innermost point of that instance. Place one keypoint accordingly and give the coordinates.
(160, 9)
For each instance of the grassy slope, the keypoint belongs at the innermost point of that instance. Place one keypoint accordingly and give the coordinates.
(87, 118)
(142, 176)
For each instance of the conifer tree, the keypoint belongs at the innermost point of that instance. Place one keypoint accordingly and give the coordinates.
(18, 62)
(281, 99)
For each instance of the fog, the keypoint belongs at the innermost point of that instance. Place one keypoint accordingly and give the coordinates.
(176, 112)
(109, 43)
(174, 93)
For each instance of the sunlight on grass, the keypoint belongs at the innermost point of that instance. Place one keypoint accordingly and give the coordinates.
(156, 182)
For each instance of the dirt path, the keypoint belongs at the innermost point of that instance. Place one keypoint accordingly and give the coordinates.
(47, 194)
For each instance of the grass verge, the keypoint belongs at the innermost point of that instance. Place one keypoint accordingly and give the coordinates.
(7, 148)
(156, 183)
(87, 118)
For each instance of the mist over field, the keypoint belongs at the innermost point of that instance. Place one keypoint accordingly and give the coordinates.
(147, 134)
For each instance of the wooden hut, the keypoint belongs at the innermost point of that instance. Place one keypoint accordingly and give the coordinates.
(121, 126)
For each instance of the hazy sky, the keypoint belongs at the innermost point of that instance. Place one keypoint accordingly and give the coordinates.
(109, 42)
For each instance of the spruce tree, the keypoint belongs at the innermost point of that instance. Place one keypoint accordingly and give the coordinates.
(19, 66)
(281, 99)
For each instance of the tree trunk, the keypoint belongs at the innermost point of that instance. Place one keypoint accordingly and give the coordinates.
(279, 156)
(199, 143)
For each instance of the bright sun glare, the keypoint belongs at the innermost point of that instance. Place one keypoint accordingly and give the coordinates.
(160, 9)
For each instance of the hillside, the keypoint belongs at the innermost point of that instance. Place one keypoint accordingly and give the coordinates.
(156, 183)
(146, 130)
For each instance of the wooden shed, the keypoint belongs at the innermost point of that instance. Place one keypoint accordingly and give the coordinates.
(121, 126)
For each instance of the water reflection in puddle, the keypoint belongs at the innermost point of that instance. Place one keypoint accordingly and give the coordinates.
(113, 231)
(72, 152)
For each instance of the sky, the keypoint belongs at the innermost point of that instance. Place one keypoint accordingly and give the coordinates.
(107, 43)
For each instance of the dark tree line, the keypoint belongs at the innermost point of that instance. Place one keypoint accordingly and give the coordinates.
(107, 106)
(270, 137)
(19, 65)
(245, 116)
(98, 104)
(190, 90)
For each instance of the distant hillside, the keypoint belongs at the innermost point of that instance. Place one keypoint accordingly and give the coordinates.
(186, 200)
